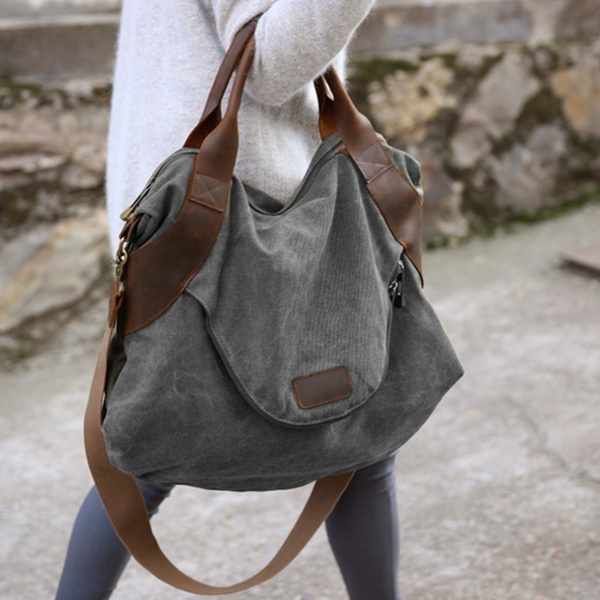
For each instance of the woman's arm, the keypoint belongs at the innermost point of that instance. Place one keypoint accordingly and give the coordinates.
(295, 39)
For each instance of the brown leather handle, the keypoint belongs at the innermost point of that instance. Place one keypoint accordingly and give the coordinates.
(327, 124)
(211, 116)
(218, 147)
(125, 506)
(218, 153)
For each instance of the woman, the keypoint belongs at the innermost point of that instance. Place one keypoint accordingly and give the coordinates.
(168, 55)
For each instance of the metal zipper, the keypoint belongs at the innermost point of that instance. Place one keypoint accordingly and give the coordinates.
(395, 288)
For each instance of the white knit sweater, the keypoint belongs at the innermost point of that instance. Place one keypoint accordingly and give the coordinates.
(168, 55)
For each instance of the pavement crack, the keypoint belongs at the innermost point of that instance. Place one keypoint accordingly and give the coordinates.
(542, 446)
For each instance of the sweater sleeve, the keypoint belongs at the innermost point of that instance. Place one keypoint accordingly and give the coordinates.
(295, 39)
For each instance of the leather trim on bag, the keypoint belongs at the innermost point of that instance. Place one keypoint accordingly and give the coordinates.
(322, 387)
(158, 272)
(398, 201)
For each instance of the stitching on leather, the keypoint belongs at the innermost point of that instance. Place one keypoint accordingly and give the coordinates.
(384, 165)
(207, 191)
(207, 205)
(381, 171)
(201, 180)
(375, 143)
(375, 194)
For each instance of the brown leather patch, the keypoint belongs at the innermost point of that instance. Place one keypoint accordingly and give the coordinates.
(322, 387)
(158, 272)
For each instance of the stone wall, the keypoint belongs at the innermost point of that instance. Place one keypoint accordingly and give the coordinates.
(53, 233)
(496, 98)
(52, 150)
(503, 130)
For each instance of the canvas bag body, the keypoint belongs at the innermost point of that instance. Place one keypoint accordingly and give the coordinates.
(250, 347)
(204, 395)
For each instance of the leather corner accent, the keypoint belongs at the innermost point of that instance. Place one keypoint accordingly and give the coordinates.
(373, 162)
(401, 207)
(158, 273)
(208, 191)
(397, 200)
(322, 387)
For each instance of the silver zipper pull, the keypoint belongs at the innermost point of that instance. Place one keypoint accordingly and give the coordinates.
(395, 288)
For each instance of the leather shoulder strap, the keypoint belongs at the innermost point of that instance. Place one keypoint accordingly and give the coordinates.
(125, 506)
(211, 116)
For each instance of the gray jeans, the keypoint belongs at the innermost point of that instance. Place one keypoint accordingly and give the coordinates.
(363, 532)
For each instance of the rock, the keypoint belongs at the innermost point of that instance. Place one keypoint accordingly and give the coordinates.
(13, 180)
(469, 145)
(579, 89)
(579, 19)
(404, 103)
(492, 112)
(442, 205)
(49, 8)
(30, 162)
(472, 56)
(51, 268)
(545, 16)
(397, 24)
(16, 254)
(66, 146)
(526, 174)
(76, 177)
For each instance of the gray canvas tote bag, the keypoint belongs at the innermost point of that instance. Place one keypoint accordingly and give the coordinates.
(251, 347)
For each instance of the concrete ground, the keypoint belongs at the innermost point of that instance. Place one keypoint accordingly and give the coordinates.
(499, 494)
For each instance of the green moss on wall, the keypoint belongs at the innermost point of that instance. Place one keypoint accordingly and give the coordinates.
(542, 108)
(362, 72)
(45, 202)
(14, 93)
